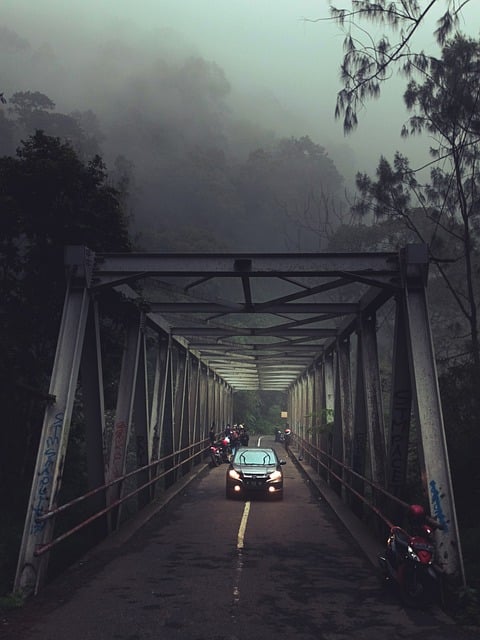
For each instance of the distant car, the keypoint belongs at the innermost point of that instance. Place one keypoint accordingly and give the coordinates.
(255, 473)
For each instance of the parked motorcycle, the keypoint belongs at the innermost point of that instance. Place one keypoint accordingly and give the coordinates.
(215, 455)
(225, 450)
(408, 562)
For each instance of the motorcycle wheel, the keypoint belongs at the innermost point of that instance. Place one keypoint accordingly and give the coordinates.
(214, 460)
(414, 591)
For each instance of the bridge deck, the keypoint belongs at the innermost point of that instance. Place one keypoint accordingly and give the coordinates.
(182, 575)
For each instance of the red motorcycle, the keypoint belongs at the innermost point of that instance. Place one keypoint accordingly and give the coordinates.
(215, 455)
(220, 452)
(408, 561)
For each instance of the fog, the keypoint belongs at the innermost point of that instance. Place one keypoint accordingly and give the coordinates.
(270, 67)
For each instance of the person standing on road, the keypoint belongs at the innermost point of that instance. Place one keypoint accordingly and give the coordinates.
(211, 435)
(287, 437)
(234, 439)
(244, 437)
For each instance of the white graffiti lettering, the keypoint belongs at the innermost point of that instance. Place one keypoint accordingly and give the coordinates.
(45, 475)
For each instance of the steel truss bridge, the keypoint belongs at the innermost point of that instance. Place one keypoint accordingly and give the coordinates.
(196, 328)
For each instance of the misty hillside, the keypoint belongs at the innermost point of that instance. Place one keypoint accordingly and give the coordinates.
(201, 165)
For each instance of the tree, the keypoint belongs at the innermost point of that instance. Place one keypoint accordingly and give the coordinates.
(445, 212)
(7, 132)
(28, 104)
(368, 63)
(48, 198)
(33, 111)
(291, 194)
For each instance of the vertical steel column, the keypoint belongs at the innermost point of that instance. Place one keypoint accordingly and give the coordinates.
(162, 364)
(230, 405)
(218, 398)
(213, 396)
(205, 424)
(91, 376)
(302, 405)
(373, 399)
(210, 402)
(218, 412)
(306, 388)
(185, 401)
(298, 409)
(289, 403)
(180, 432)
(314, 405)
(47, 479)
(337, 430)
(329, 388)
(319, 403)
(343, 434)
(194, 410)
(123, 416)
(400, 407)
(168, 441)
(360, 431)
(301, 390)
(221, 400)
(345, 408)
(308, 415)
(429, 414)
(225, 411)
(329, 398)
(141, 417)
(360, 434)
(189, 407)
(309, 406)
(319, 391)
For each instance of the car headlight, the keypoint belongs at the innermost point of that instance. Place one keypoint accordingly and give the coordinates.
(234, 474)
(275, 475)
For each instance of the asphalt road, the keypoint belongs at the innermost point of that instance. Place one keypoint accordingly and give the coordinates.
(207, 568)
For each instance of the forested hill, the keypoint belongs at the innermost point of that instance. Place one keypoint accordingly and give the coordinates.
(195, 169)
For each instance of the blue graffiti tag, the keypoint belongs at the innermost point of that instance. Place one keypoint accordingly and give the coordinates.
(45, 474)
(437, 506)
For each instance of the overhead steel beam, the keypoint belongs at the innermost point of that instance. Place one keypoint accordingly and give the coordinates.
(247, 351)
(241, 331)
(332, 308)
(238, 265)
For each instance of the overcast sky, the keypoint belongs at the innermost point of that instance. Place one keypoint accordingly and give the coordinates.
(264, 46)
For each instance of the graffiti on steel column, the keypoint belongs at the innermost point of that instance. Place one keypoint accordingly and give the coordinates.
(436, 500)
(399, 436)
(45, 475)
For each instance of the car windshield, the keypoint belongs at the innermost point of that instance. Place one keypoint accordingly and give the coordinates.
(255, 457)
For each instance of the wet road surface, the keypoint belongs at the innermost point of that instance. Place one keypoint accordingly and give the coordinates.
(207, 568)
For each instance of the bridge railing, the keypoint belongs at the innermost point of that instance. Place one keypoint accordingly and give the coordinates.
(372, 503)
(167, 470)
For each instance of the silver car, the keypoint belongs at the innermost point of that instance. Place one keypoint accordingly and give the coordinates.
(255, 473)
